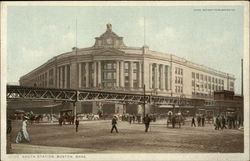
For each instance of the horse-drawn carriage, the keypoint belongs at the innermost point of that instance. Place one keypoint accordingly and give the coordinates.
(175, 119)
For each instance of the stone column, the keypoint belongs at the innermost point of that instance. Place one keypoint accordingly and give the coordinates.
(131, 84)
(117, 74)
(156, 76)
(73, 75)
(122, 74)
(99, 73)
(57, 77)
(140, 75)
(87, 74)
(150, 75)
(54, 77)
(65, 76)
(48, 78)
(163, 78)
(61, 77)
(95, 74)
(80, 75)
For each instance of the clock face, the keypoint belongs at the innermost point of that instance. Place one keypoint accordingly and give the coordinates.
(109, 41)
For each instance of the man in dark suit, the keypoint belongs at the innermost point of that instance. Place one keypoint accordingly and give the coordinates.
(114, 122)
(146, 121)
(77, 124)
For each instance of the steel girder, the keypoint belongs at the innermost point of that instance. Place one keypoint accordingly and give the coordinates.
(55, 94)
(34, 93)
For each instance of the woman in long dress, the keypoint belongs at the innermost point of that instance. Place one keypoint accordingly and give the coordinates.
(23, 134)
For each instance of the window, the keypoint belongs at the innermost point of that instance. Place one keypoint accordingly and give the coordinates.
(201, 77)
(193, 83)
(205, 78)
(197, 75)
(134, 65)
(213, 79)
(109, 66)
(193, 75)
(126, 65)
(109, 75)
(134, 76)
(209, 79)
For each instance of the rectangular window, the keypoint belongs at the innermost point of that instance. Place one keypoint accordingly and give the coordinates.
(193, 75)
(126, 65)
(193, 83)
(201, 77)
(109, 75)
(197, 75)
(209, 79)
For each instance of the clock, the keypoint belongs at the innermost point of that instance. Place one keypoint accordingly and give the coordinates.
(109, 41)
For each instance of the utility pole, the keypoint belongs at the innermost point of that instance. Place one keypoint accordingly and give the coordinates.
(144, 102)
(242, 77)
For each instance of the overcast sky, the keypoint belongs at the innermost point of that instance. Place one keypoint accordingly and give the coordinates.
(208, 36)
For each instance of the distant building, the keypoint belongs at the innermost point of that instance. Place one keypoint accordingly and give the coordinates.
(111, 65)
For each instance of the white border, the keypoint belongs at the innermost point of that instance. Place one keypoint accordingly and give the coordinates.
(156, 156)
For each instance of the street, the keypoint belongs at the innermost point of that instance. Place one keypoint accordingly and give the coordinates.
(95, 137)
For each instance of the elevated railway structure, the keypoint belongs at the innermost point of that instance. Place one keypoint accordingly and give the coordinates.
(16, 93)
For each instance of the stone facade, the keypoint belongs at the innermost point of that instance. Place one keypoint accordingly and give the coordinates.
(111, 65)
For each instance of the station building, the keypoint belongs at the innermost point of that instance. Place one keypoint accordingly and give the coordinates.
(111, 65)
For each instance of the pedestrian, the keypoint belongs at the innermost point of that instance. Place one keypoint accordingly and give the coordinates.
(173, 121)
(146, 121)
(217, 123)
(223, 121)
(203, 121)
(9, 129)
(77, 123)
(199, 120)
(130, 119)
(193, 122)
(114, 122)
(23, 134)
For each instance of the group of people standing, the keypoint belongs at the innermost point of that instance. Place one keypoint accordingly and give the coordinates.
(200, 121)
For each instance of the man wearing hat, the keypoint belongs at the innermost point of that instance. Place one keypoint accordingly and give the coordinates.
(114, 122)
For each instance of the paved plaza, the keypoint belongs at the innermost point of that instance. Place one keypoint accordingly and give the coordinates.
(95, 137)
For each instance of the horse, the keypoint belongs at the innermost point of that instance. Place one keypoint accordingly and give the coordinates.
(175, 119)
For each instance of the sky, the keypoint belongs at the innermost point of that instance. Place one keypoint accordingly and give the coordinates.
(201, 34)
